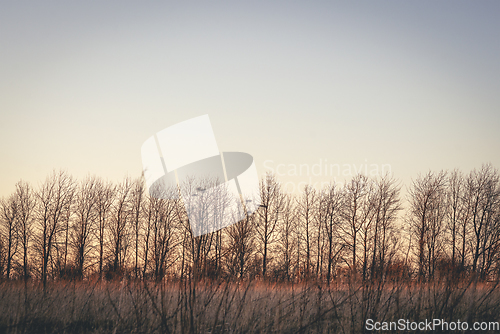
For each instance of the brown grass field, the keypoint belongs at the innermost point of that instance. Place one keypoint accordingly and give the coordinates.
(249, 307)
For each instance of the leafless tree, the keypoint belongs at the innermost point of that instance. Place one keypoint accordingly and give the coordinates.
(307, 216)
(2, 256)
(482, 188)
(161, 230)
(367, 223)
(357, 215)
(9, 230)
(386, 205)
(426, 215)
(85, 218)
(137, 198)
(54, 202)
(105, 196)
(332, 205)
(62, 246)
(288, 239)
(457, 217)
(208, 205)
(240, 246)
(273, 205)
(120, 224)
(26, 203)
(452, 220)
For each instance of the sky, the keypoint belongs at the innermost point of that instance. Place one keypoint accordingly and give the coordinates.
(364, 86)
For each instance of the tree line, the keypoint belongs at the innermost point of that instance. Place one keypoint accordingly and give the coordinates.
(447, 226)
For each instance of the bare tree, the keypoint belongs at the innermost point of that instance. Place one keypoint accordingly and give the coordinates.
(332, 205)
(84, 222)
(162, 222)
(452, 219)
(62, 247)
(208, 207)
(273, 205)
(457, 215)
(482, 188)
(357, 215)
(137, 198)
(367, 223)
(426, 214)
(120, 221)
(288, 238)
(386, 205)
(307, 215)
(26, 203)
(240, 246)
(105, 195)
(2, 256)
(9, 230)
(54, 201)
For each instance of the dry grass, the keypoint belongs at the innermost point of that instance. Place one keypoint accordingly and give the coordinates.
(255, 307)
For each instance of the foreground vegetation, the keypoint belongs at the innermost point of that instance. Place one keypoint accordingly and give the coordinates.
(245, 307)
(93, 257)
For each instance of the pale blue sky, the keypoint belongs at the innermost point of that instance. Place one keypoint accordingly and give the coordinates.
(410, 84)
